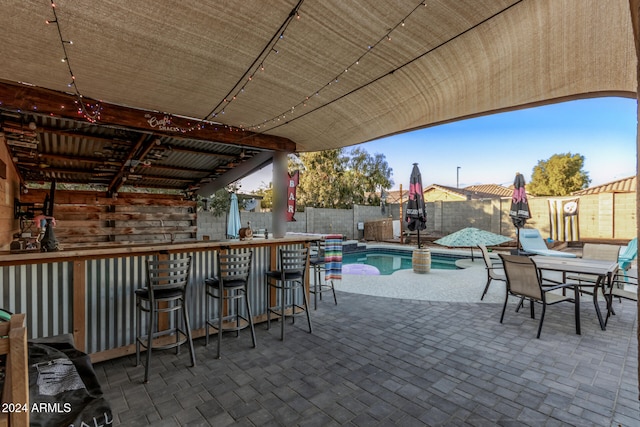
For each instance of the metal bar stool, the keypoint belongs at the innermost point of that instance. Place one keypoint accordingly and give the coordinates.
(327, 260)
(229, 286)
(165, 292)
(288, 280)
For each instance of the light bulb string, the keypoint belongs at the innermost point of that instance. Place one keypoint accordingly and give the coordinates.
(336, 79)
(90, 116)
(386, 74)
(257, 63)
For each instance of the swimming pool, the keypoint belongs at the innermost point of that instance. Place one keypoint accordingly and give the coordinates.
(389, 260)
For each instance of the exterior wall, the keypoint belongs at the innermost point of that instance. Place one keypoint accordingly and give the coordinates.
(605, 216)
(433, 195)
(624, 222)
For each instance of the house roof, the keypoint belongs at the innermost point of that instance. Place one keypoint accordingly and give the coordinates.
(624, 185)
(288, 75)
(393, 196)
(495, 189)
(474, 192)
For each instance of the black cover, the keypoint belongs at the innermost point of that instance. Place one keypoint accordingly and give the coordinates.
(63, 388)
(519, 211)
(49, 241)
(416, 214)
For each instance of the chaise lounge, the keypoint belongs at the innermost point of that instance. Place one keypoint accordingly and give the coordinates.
(533, 243)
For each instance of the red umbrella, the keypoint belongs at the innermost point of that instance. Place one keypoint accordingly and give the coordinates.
(416, 213)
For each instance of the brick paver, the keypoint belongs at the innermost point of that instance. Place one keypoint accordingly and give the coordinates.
(383, 361)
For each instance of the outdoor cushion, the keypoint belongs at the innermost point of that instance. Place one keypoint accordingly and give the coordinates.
(532, 242)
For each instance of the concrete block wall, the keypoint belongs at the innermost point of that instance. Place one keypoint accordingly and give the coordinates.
(624, 222)
(601, 216)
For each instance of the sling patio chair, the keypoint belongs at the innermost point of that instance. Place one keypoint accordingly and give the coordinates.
(495, 270)
(524, 282)
(533, 243)
(597, 251)
(624, 286)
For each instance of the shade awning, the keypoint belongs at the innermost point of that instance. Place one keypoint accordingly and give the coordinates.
(320, 74)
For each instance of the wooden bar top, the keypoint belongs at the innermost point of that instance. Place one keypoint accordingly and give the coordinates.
(7, 258)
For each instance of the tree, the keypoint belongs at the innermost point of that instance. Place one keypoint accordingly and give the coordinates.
(338, 179)
(266, 192)
(366, 175)
(321, 179)
(559, 175)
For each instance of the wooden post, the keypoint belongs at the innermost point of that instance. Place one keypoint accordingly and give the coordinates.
(401, 218)
(79, 305)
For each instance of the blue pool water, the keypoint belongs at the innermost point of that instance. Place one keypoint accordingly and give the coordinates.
(387, 261)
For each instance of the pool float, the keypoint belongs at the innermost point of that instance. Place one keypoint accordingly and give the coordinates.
(360, 269)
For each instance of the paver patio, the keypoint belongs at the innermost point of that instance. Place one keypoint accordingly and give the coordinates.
(386, 361)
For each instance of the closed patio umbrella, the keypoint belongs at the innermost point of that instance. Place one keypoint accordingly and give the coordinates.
(416, 215)
(470, 238)
(233, 222)
(519, 211)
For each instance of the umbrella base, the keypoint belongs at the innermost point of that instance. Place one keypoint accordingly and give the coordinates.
(421, 260)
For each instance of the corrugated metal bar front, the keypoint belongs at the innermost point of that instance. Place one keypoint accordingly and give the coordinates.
(111, 284)
(43, 292)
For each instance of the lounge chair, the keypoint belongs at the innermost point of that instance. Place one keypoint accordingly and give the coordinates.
(533, 243)
(629, 254)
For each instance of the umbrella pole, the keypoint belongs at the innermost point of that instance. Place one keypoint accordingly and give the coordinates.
(418, 237)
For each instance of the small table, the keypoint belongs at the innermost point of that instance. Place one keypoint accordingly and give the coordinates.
(601, 270)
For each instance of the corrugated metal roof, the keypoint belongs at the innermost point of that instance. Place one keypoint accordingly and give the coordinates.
(624, 185)
(46, 148)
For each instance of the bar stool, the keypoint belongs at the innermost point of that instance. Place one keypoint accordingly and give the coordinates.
(288, 281)
(327, 260)
(165, 292)
(230, 285)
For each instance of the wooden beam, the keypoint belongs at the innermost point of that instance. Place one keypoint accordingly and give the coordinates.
(44, 101)
(116, 181)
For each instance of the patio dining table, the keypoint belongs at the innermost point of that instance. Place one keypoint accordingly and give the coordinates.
(601, 271)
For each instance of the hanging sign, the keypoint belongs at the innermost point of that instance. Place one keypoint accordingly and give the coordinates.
(292, 184)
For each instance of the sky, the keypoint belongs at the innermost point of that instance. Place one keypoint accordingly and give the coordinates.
(491, 149)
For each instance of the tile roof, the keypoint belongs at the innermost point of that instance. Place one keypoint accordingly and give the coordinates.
(624, 185)
(475, 192)
(495, 189)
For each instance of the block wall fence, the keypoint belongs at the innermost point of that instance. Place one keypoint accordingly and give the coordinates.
(602, 217)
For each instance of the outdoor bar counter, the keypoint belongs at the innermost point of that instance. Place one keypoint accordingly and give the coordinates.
(90, 292)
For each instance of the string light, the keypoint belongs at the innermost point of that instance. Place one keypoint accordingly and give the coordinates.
(369, 49)
(258, 63)
(88, 111)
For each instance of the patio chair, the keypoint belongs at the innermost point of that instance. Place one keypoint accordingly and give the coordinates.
(495, 270)
(628, 255)
(595, 251)
(524, 282)
(624, 286)
(533, 243)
